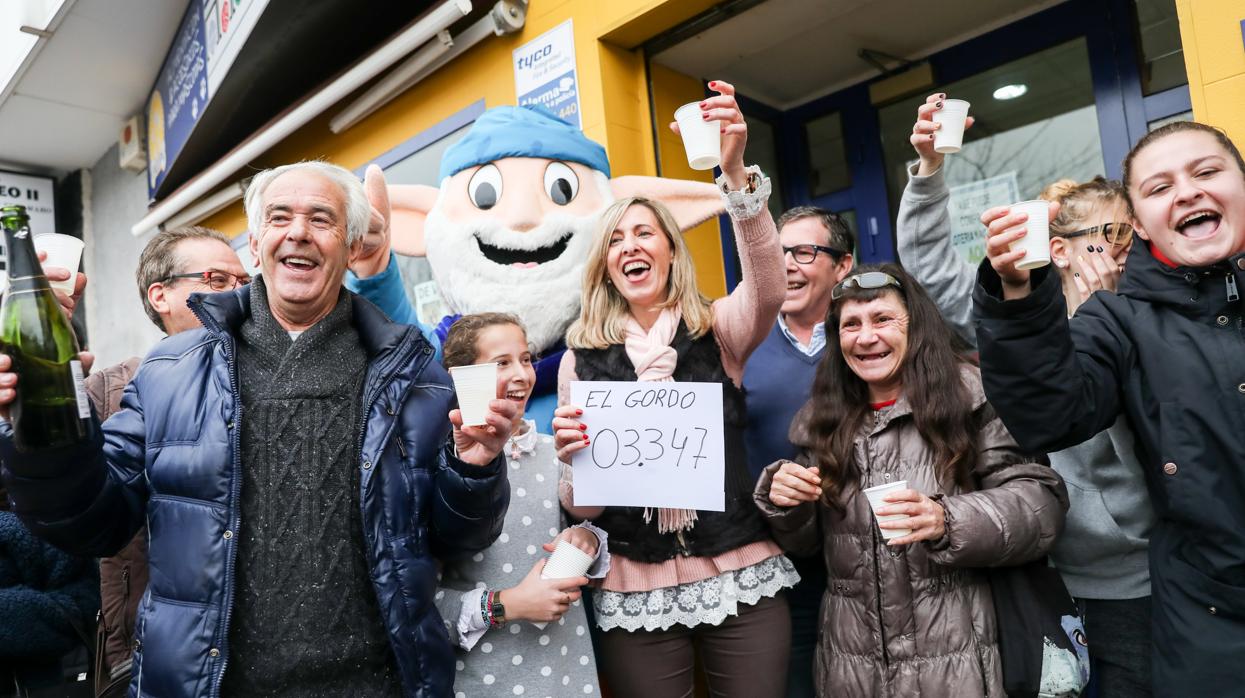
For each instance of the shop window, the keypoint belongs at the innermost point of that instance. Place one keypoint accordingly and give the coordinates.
(827, 155)
(1042, 128)
(418, 161)
(1162, 55)
(423, 167)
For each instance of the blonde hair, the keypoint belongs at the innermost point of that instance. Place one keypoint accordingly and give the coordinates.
(604, 312)
(1078, 201)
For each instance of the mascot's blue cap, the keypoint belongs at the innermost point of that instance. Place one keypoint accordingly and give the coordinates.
(522, 132)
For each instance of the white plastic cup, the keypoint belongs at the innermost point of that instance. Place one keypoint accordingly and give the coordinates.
(565, 562)
(950, 138)
(475, 386)
(875, 495)
(63, 251)
(701, 139)
(1036, 242)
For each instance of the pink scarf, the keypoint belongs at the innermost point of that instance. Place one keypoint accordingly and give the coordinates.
(655, 361)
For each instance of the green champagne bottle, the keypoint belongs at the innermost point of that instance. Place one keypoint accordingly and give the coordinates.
(51, 409)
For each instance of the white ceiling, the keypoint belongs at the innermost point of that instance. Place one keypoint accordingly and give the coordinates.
(84, 82)
(787, 52)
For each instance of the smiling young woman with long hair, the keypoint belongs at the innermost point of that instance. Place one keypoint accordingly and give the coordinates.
(683, 582)
(893, 402)
(1165, 351)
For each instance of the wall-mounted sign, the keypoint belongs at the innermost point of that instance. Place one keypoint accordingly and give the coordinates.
(209, 38)
(544, 73)
(35, 193)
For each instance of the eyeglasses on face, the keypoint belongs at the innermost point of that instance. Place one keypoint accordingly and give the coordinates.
(865, 280)
(807, 254)
(215, 280)
(1116, 234)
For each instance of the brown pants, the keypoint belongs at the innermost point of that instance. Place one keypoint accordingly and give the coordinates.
(743, 657)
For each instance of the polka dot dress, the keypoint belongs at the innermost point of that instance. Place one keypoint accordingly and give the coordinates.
(521, 659)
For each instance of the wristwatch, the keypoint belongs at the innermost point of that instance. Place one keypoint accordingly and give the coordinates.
(496, 611)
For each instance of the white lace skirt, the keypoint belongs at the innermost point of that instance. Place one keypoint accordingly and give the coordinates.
(709, 600)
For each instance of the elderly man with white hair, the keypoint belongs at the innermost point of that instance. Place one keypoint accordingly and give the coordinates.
(295, 465)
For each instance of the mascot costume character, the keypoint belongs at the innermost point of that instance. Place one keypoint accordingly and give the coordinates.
(509, 229)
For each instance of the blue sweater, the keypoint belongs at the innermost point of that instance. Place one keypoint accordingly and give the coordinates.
(777, 381)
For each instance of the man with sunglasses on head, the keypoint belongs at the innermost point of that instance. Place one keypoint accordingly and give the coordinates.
(173, 265)
(817, 246)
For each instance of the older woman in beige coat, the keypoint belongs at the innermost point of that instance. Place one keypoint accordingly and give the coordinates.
(909, 615)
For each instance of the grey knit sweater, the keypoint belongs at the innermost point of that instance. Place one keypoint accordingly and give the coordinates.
(305, 617)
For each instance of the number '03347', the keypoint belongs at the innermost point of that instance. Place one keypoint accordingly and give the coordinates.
(650, 447)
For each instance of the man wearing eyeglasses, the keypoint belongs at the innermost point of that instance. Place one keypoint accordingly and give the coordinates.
(174, 264)
(817, 245)
(298, 467)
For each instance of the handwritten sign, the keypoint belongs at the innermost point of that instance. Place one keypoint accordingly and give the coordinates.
(544, 73)
(652, 445)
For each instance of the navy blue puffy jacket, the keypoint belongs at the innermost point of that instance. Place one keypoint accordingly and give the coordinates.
(171, 458)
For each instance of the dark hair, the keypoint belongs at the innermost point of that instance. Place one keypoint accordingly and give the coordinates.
(160, 261)
(1167, 130)
(840, 237)
(460, 342)
(942, 406)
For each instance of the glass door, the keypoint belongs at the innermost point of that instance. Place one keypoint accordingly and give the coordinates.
(832, 150)
(1036, 123)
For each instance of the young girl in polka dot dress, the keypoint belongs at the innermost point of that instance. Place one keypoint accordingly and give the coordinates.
(539, 645)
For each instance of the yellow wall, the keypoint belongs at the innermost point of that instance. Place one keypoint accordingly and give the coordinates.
(670, 91)
(1214, 54)
(613, 94)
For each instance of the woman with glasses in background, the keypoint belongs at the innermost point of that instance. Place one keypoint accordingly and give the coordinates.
(1103, 553)
(893, 401)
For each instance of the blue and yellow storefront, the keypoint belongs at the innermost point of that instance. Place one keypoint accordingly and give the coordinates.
(1058, 89)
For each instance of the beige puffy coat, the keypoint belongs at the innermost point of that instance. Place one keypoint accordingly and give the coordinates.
(918, 620)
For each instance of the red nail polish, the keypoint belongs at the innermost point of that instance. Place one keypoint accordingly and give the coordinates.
(704, 116)
(579, 411)
(713, 83)
(703, 104)
(585, 438)
(583, 427)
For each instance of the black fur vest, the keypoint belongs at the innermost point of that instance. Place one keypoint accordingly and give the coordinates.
(715, 532)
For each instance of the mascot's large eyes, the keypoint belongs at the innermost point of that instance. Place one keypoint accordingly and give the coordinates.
(561, 183)
(485, 187)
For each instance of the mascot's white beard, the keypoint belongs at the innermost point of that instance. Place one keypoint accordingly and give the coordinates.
(546, 298)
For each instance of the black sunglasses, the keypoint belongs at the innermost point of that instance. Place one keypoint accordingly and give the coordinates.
(807, 254)
(865, 280)
(1116, 234)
